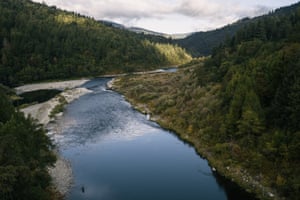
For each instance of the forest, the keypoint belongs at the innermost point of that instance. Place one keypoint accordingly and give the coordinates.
(25, 154)
(259, 70)
(240, 107)
(38, 43)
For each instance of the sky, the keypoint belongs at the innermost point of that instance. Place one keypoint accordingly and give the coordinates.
(170, 16)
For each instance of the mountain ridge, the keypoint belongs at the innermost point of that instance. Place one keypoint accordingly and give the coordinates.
(140, 30)
(203, 43)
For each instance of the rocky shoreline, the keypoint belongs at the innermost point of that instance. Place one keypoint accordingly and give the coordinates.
(61, 173)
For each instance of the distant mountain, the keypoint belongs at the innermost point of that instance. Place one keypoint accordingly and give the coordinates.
(148, 32)
(112, 24)
(178, 36)
(145, 31)
(202, 43)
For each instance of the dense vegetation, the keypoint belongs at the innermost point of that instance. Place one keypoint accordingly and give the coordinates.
(259, 70)
(240, 107)
(38, 42)
(25, 155)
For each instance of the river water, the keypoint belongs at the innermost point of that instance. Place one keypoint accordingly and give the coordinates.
(117, 154)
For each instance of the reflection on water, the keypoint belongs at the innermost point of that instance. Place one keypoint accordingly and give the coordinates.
(37, 96)
(117, 154)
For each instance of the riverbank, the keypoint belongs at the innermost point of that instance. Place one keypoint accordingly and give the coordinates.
(42, 111)
(45, 113)
(177, 104)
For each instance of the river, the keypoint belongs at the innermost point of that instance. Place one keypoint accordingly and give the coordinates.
(117, 154)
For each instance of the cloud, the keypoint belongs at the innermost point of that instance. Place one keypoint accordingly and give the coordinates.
(130, 9)
(133, 9)
(194, 8)
(211, 12)
(218, 9)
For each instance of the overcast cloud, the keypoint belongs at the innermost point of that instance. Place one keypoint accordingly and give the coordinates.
(170, 16)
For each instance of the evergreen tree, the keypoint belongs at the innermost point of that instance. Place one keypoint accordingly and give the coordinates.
(25, 155)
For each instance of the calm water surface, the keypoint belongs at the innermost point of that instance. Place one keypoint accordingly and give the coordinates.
(117, 154)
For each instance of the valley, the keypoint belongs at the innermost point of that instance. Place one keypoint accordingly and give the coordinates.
(228, 95)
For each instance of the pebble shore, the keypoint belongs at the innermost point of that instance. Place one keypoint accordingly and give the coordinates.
(61, 173)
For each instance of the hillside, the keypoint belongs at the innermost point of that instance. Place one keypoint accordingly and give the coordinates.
(240, 108)
(203, 43)
(162, 36)
(40, 42)
(259, 70)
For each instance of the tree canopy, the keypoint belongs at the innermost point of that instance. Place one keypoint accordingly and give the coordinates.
(25, 155)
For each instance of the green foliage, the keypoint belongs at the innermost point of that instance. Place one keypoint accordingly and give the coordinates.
(175, 100)
(175, 54)
(6, 107)
(25, 155)
(39, 42)
(59, 107)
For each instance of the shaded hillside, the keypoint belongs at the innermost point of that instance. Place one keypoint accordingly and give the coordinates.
(202, 43)
(240, 108)
(40, 42)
